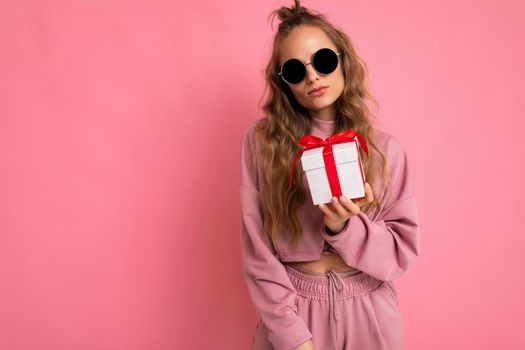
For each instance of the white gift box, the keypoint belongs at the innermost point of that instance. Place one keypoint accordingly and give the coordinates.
(349, 170)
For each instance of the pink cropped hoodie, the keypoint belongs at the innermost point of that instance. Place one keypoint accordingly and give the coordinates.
(383, 248)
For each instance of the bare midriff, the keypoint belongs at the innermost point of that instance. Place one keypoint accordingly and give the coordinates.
(327, 261)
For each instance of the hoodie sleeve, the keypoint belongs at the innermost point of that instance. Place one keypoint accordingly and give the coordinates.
(268, 284)
(387, 247)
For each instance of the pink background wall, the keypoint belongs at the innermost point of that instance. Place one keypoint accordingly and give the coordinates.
(120, 126)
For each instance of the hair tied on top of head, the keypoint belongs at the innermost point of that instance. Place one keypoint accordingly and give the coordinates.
(285, 13)
(295, 14)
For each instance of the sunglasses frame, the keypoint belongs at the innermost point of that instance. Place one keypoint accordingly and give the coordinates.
(305, 64)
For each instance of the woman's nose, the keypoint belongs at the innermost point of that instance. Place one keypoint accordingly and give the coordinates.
(311, 73)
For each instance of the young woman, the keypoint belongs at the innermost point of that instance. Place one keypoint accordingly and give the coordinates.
(321, 276)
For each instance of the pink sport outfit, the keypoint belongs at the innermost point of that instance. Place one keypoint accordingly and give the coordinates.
(356, 310)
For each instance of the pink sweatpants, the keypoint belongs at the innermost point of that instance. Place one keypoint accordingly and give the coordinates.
(344, 311)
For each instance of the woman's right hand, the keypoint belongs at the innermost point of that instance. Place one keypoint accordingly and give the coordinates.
(308, 345)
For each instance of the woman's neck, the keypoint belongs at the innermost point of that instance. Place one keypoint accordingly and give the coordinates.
(327, 113)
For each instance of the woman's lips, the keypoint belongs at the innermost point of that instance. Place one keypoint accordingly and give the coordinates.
(319, 92)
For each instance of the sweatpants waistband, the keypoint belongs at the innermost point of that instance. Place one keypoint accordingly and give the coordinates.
(319, 285)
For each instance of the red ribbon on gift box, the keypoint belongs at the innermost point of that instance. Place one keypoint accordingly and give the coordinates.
(310, 142)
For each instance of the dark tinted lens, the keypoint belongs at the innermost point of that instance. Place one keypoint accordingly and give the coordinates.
(325, 61)
(293, 71)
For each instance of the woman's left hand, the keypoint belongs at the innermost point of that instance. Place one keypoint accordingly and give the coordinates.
(339, 211)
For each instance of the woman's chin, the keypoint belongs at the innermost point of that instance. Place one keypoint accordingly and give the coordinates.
(319, 105)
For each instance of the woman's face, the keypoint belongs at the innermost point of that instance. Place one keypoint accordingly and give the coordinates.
(301, 43)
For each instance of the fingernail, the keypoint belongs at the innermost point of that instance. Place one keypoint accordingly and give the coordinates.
(343, 199)
(334, 199)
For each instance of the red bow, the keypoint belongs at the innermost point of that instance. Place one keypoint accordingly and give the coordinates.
(310, 142)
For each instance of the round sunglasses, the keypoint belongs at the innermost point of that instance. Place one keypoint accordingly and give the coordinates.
(324, 61)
